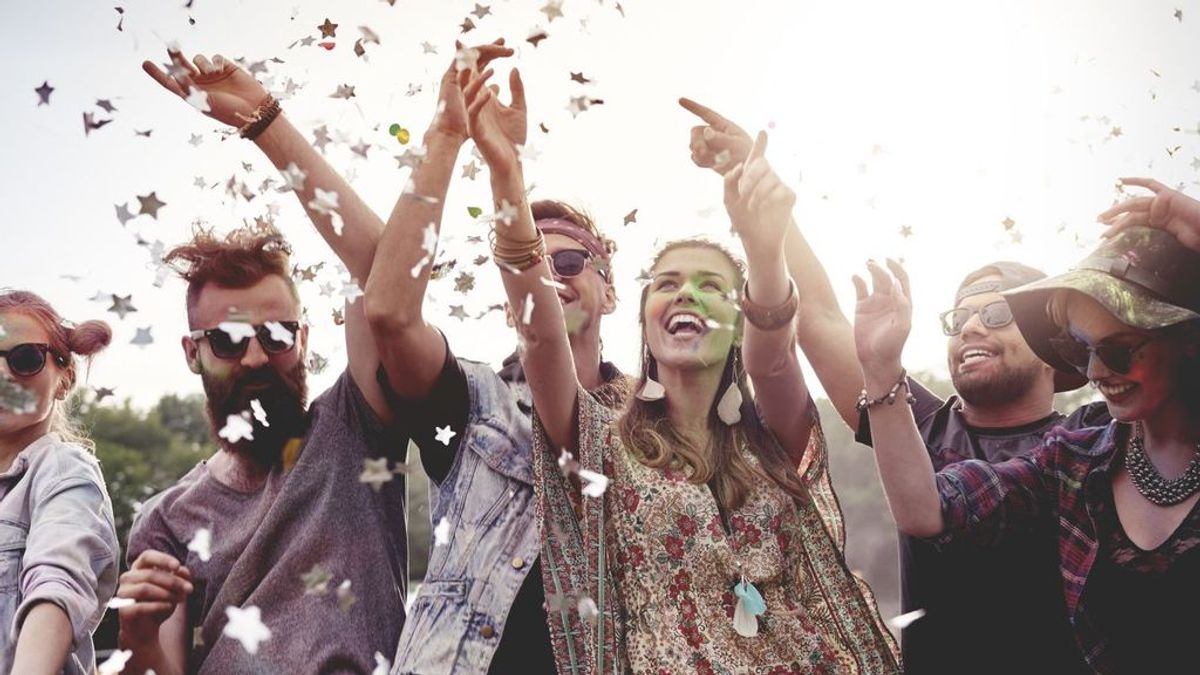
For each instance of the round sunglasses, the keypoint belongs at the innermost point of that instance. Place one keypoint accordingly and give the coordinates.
(993, 315)
(1116, 357)
(570, 262)
(230, 345)
(27, 360)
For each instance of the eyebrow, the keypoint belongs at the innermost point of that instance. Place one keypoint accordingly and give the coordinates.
(703, 274)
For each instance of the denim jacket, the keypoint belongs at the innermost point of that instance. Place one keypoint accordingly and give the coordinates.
(459, 613)
(57, 544)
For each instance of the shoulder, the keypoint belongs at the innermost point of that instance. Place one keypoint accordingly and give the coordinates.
(1090, 415)
(58, 463)
(162, 507)
(1085, 443)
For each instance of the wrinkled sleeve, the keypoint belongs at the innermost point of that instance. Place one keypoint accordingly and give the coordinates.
(71, 554)
(983, 502)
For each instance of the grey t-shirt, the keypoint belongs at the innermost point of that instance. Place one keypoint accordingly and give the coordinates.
(315, 516)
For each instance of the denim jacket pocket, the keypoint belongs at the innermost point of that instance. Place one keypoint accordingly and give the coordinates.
(12, 549)
(423, 650)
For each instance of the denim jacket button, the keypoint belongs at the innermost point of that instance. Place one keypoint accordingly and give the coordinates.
(518, 563)
(487, 631)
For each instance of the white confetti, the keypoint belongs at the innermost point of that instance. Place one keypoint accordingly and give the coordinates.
(588, 610)
(905, 620)
(237, 427)
(118, 603)
(201, 544)
(594, 484)
(115, 663)
(375, 473)
(293, 178)
(527, 309)
(444, 434)
(259, 413)
(279, 333)
(198, 99)
(382, 665)
(237, 330)
(441, 533)
(246, 626)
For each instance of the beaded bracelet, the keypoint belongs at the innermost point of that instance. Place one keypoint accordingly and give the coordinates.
(863, 403)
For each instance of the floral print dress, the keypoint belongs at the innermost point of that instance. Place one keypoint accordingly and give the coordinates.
(660, 561)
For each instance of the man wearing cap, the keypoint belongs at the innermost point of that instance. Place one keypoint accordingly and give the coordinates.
(1119, 499)
(1003, 602)
(1006, 600)
(480, 608)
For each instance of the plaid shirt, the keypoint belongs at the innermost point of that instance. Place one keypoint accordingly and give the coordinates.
(982, 502)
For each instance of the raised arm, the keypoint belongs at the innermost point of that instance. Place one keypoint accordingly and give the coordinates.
(234, 97)
(822, 330)
(1168, 209)
(412, 350)
(499, 130)
(760, 205)
(882, 322)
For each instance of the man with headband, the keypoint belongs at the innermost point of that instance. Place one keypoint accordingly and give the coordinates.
(481, 607)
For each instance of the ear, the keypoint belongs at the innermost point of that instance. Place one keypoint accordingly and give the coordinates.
(302, 341)
(191, 352)
(610, 299)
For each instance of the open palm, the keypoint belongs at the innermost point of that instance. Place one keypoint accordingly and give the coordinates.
(232, 94)
(882, 317)
(498, 130)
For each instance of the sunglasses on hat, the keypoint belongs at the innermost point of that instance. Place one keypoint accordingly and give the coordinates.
(570, 262)
(1116, 357)
(227, 346)
(27, 360)
(993, 315)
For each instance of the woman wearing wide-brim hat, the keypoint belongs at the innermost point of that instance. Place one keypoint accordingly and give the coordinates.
(1121, 499)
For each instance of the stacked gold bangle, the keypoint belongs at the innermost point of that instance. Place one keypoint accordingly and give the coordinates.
(515, 254)
(266, 113)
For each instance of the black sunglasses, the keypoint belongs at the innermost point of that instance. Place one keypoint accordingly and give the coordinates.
(228, 346)
(993, 315)
(1116, 357)
(27, 360)
(570, 262)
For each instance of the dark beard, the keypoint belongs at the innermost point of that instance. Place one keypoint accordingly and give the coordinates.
(283, 398)
(1010, 385)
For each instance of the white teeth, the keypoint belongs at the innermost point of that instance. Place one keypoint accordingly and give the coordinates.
(976, 354)
(680, 320)
(1115, 390)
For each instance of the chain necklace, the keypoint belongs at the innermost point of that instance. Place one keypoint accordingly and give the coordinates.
(1150, 483)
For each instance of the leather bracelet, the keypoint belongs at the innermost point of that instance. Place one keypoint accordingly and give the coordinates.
(770, 318)
(864, 403)
(266, 113)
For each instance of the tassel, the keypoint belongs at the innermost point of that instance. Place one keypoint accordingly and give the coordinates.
(749, 606)
(729, 408)
(652, 391)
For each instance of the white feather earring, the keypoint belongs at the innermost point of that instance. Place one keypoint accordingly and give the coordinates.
(652, 390)
(729, 408)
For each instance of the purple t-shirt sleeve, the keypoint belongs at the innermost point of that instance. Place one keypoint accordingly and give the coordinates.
(927, 403)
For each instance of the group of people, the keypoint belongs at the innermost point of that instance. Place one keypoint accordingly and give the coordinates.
(679, 519)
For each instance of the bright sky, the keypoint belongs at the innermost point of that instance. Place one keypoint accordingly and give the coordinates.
(945, 117)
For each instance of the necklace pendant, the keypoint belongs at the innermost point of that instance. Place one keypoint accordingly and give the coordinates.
(750, 606)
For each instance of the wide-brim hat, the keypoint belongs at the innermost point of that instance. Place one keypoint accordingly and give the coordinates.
(1143, 276)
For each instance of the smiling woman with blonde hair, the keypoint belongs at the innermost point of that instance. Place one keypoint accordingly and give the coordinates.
(695, 531)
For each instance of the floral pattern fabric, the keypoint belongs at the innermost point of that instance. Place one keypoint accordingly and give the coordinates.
(673, 560)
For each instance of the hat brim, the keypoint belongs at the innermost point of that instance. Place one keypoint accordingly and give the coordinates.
(1131, 304)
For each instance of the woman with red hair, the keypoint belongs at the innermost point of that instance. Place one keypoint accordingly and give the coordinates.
(58, 544)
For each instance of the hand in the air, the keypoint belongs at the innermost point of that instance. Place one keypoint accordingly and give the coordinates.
(718, 144)
(219, 88)
(1168, 209)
